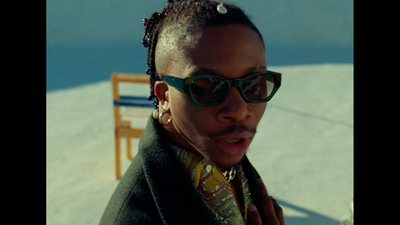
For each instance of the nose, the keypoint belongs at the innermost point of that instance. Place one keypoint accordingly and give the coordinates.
(234, 108)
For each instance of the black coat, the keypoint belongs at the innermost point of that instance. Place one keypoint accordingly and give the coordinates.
(156, 190)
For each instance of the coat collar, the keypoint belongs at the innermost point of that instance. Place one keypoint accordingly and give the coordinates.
(172, 191)
(176, 198)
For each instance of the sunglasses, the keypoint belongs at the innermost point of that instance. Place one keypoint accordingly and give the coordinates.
(206, 90)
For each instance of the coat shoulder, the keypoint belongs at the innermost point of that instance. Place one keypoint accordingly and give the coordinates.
(132, 202)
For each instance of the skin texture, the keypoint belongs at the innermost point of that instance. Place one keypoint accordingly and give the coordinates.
(232, 51)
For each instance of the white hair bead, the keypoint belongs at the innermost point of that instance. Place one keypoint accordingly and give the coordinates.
(221, 8)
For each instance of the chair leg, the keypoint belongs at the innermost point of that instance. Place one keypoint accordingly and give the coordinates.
(128, 148)
(117, 158)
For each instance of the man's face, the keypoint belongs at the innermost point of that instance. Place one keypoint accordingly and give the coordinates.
(221, 132)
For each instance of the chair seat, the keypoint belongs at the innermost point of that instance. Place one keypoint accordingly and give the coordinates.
(129, 132)
(136, 113)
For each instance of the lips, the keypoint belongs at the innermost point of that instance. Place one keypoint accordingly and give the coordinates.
(235, 144)
(233, 141)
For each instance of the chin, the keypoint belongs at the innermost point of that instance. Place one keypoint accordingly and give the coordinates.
(227, 161)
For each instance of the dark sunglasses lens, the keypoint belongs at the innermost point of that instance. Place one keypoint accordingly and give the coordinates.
(258, 88)
(208, 90)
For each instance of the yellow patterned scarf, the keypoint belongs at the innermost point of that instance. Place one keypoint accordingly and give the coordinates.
(214, 187)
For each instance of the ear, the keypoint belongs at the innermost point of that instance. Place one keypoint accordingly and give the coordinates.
(162, 92)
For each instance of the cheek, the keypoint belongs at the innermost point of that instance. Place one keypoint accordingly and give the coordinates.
(191, 119)
(179, 103)
(258, 112)
(260, 109)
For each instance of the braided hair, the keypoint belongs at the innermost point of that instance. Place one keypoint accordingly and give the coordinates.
(191, 16)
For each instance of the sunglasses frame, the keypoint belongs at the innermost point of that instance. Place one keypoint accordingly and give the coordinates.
(183, 84)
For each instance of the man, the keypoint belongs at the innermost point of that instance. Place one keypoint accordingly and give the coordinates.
(208, 74)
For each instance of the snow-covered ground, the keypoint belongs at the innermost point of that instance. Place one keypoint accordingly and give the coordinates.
(303, 149)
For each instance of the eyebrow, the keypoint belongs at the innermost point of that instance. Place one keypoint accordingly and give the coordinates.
(255, 68)
(209, 71)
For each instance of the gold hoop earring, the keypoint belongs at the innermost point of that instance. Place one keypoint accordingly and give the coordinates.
(161, 120)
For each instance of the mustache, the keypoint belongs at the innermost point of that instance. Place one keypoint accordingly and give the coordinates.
(232, 128)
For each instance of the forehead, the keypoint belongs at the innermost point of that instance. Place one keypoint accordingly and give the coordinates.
(225, 50)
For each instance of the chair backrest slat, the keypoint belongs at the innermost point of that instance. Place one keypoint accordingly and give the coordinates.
(133, 101)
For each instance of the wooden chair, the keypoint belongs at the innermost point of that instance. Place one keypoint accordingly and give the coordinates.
(135, 107)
